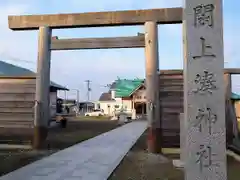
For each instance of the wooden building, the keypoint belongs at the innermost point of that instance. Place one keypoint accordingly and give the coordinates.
(17, 96)
(171, 105)
(124, 94)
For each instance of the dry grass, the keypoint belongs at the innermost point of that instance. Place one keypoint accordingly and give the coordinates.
(233, 168)
(78, 131)
(99, 118)
(58, 139)
(14, 159)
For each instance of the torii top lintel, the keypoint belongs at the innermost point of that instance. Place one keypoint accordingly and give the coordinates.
(96, 19)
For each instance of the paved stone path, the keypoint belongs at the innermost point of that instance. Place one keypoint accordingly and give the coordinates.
(94, 159)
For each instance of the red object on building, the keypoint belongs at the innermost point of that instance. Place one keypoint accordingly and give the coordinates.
(55, 37)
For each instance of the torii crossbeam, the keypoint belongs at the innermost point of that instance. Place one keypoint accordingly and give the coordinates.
(45, 23)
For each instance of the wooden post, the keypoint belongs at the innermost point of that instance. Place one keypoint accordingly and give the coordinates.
(42, 87)
(229, 117)
(152, 87)
(182, 136)
(204, 91)
(228, 85)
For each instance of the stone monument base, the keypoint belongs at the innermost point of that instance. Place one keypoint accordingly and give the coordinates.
(178, 163)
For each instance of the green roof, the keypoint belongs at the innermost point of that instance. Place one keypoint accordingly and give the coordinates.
(125, 87)
(9, 70)
(235, 96)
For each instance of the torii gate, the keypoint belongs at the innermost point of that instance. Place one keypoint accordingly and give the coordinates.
(45, 24)
(204, 100)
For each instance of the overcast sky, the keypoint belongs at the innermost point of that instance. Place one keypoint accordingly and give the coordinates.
(72, 68)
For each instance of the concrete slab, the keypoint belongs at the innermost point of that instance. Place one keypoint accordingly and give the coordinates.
(94, 159)
(15, 146)
(178, 163)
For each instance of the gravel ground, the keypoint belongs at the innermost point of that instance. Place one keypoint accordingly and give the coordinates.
(138, 164)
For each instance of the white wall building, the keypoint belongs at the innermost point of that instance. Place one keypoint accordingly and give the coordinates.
(111, 104)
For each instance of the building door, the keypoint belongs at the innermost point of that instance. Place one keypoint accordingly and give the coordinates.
(140, 108)
(108, 107)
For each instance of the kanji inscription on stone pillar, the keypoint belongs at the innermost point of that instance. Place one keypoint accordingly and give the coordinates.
(204, 98)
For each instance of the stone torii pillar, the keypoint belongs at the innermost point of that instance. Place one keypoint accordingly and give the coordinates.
(42, 113)
(152, 87)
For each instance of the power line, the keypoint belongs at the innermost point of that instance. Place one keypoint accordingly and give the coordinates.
(101, 85)
(8, 57)
(12, 58)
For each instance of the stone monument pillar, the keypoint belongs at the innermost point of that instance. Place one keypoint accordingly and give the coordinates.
(204, 99)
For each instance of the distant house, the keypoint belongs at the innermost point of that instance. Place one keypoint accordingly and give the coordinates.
(18, 85)
(131, 94)
(69, 102)
(86, 106)
(124, 94)
(107, 103)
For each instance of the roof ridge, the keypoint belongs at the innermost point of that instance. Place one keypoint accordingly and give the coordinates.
(15, 66)
(125, 87)
(9, 69)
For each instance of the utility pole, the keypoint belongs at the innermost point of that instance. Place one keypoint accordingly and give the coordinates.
(65, 96)
(88, 92)
(88, 89)
(77, 101)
